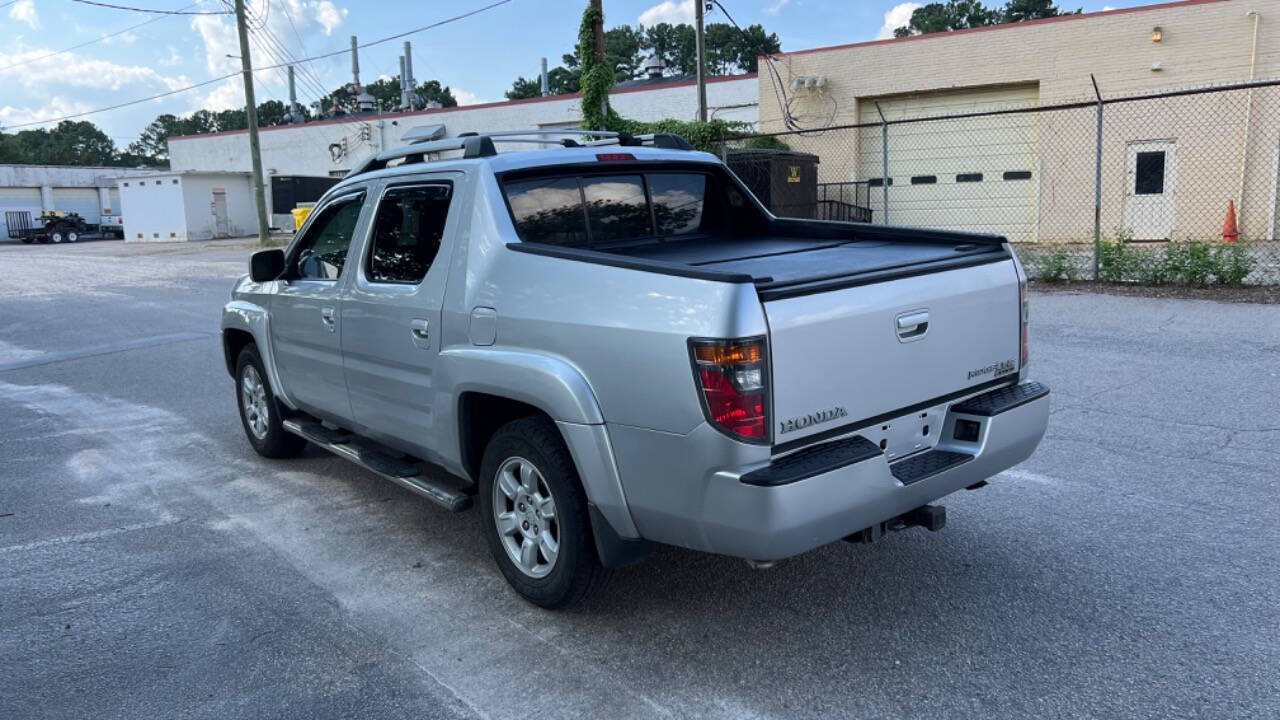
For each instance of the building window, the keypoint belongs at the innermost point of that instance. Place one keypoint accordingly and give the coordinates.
(878, 182)
(1017, 175)
(924, 179)
(969, 177)
(1149, 173)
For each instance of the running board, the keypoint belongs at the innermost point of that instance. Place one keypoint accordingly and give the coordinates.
(414, 475)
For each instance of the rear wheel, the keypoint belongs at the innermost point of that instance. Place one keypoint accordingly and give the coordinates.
(535, 515)
(72, 235)
(259, 411)
(58, 234)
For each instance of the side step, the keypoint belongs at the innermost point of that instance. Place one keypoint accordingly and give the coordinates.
(411, 474)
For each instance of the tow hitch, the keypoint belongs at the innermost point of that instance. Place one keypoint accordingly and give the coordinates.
(930, 517)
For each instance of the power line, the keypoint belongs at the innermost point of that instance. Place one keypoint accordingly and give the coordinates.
(151, 11)
(88, 42)
(220, 78)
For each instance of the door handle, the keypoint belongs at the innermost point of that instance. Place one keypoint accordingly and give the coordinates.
(912, 325)
(420, 329)
(910, 320)
(328, 316)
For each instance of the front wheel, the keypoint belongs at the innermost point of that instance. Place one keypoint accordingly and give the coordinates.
(259, 411)
(535, 519)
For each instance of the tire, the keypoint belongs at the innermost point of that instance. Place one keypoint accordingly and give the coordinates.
(259, 411)
(575, 572)
(27, 240)
(73, 235)
(58, 233)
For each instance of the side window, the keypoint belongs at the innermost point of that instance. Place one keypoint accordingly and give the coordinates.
(323, 251)
(407, 232)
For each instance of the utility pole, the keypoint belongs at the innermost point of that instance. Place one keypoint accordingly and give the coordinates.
(597, 29)
(251, 112)
(702, 59)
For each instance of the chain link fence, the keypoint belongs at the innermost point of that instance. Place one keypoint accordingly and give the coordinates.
(1176, 187)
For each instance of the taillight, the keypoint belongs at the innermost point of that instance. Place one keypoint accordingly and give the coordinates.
(733, 378)
(1025, 310)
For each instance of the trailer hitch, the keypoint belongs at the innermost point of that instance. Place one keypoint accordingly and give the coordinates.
(930, 517)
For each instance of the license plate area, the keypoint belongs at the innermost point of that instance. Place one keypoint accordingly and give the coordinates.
(908, 434)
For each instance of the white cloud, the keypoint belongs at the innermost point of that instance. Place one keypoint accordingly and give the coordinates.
(466, 97)
(896, 17)
(71, 70)
(56, 107)
(226, 95)
(329, 16)
(174, 57)
(777, 6)
(1106, 8)
(668, 11)
(24, 11)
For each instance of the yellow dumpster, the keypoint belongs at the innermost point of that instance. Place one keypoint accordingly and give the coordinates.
(299, 216)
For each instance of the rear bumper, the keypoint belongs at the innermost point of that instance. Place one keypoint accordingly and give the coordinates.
(736, 514)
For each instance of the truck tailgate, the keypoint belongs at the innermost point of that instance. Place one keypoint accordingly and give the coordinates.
(856, 354)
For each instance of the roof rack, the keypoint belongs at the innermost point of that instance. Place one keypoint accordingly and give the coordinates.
(476, 145)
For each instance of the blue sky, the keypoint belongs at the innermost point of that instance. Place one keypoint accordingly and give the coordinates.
(478, 57)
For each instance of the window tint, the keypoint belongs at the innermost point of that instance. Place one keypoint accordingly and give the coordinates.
(548, 210)
(969, 177)
(1149, 175)
(407, 232)
(616, 208)
(678, 201)
(323, 252)
(1017, 175)
(924, 179)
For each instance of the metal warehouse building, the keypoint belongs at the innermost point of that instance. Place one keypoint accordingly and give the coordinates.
(1169, 166)
(90, 191)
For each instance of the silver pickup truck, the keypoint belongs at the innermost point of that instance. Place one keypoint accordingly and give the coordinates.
(611, 344)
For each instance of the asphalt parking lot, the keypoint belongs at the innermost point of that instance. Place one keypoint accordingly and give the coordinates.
(154, 566)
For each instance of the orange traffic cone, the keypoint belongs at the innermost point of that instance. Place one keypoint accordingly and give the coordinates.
(1229, 232)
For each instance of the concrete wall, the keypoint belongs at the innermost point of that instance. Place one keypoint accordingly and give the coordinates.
(305, 149)
(1203, 42)
(177, 207)
(34, 188)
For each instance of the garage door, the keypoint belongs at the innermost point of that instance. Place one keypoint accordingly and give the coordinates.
(17, 199)
(978, 174)
(79, 200)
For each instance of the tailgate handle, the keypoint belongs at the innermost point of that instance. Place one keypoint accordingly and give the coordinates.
(912, 325)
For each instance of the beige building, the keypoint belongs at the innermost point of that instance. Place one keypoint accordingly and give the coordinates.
(1169, 165)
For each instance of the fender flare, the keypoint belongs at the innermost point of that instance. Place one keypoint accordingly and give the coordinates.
(254, 319)
(560, 390)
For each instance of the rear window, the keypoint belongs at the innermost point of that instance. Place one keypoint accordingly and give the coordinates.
(595, 210)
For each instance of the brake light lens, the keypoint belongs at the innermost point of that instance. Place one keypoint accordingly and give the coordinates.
(615, 157)
(733, 380)
(1025, 310)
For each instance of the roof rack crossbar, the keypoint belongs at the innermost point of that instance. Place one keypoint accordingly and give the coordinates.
(476, 145)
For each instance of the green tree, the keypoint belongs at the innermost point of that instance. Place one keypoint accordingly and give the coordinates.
(560, 80)
(961, 14)
(153, 142)
(67, 143)
(1021, 10)
(386, 96)
(675, 44)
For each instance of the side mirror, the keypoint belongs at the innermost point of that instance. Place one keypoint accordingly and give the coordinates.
(266, 265)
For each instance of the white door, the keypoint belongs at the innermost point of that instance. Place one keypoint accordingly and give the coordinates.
(220, 225)
(977, 174)
(1149, 189)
